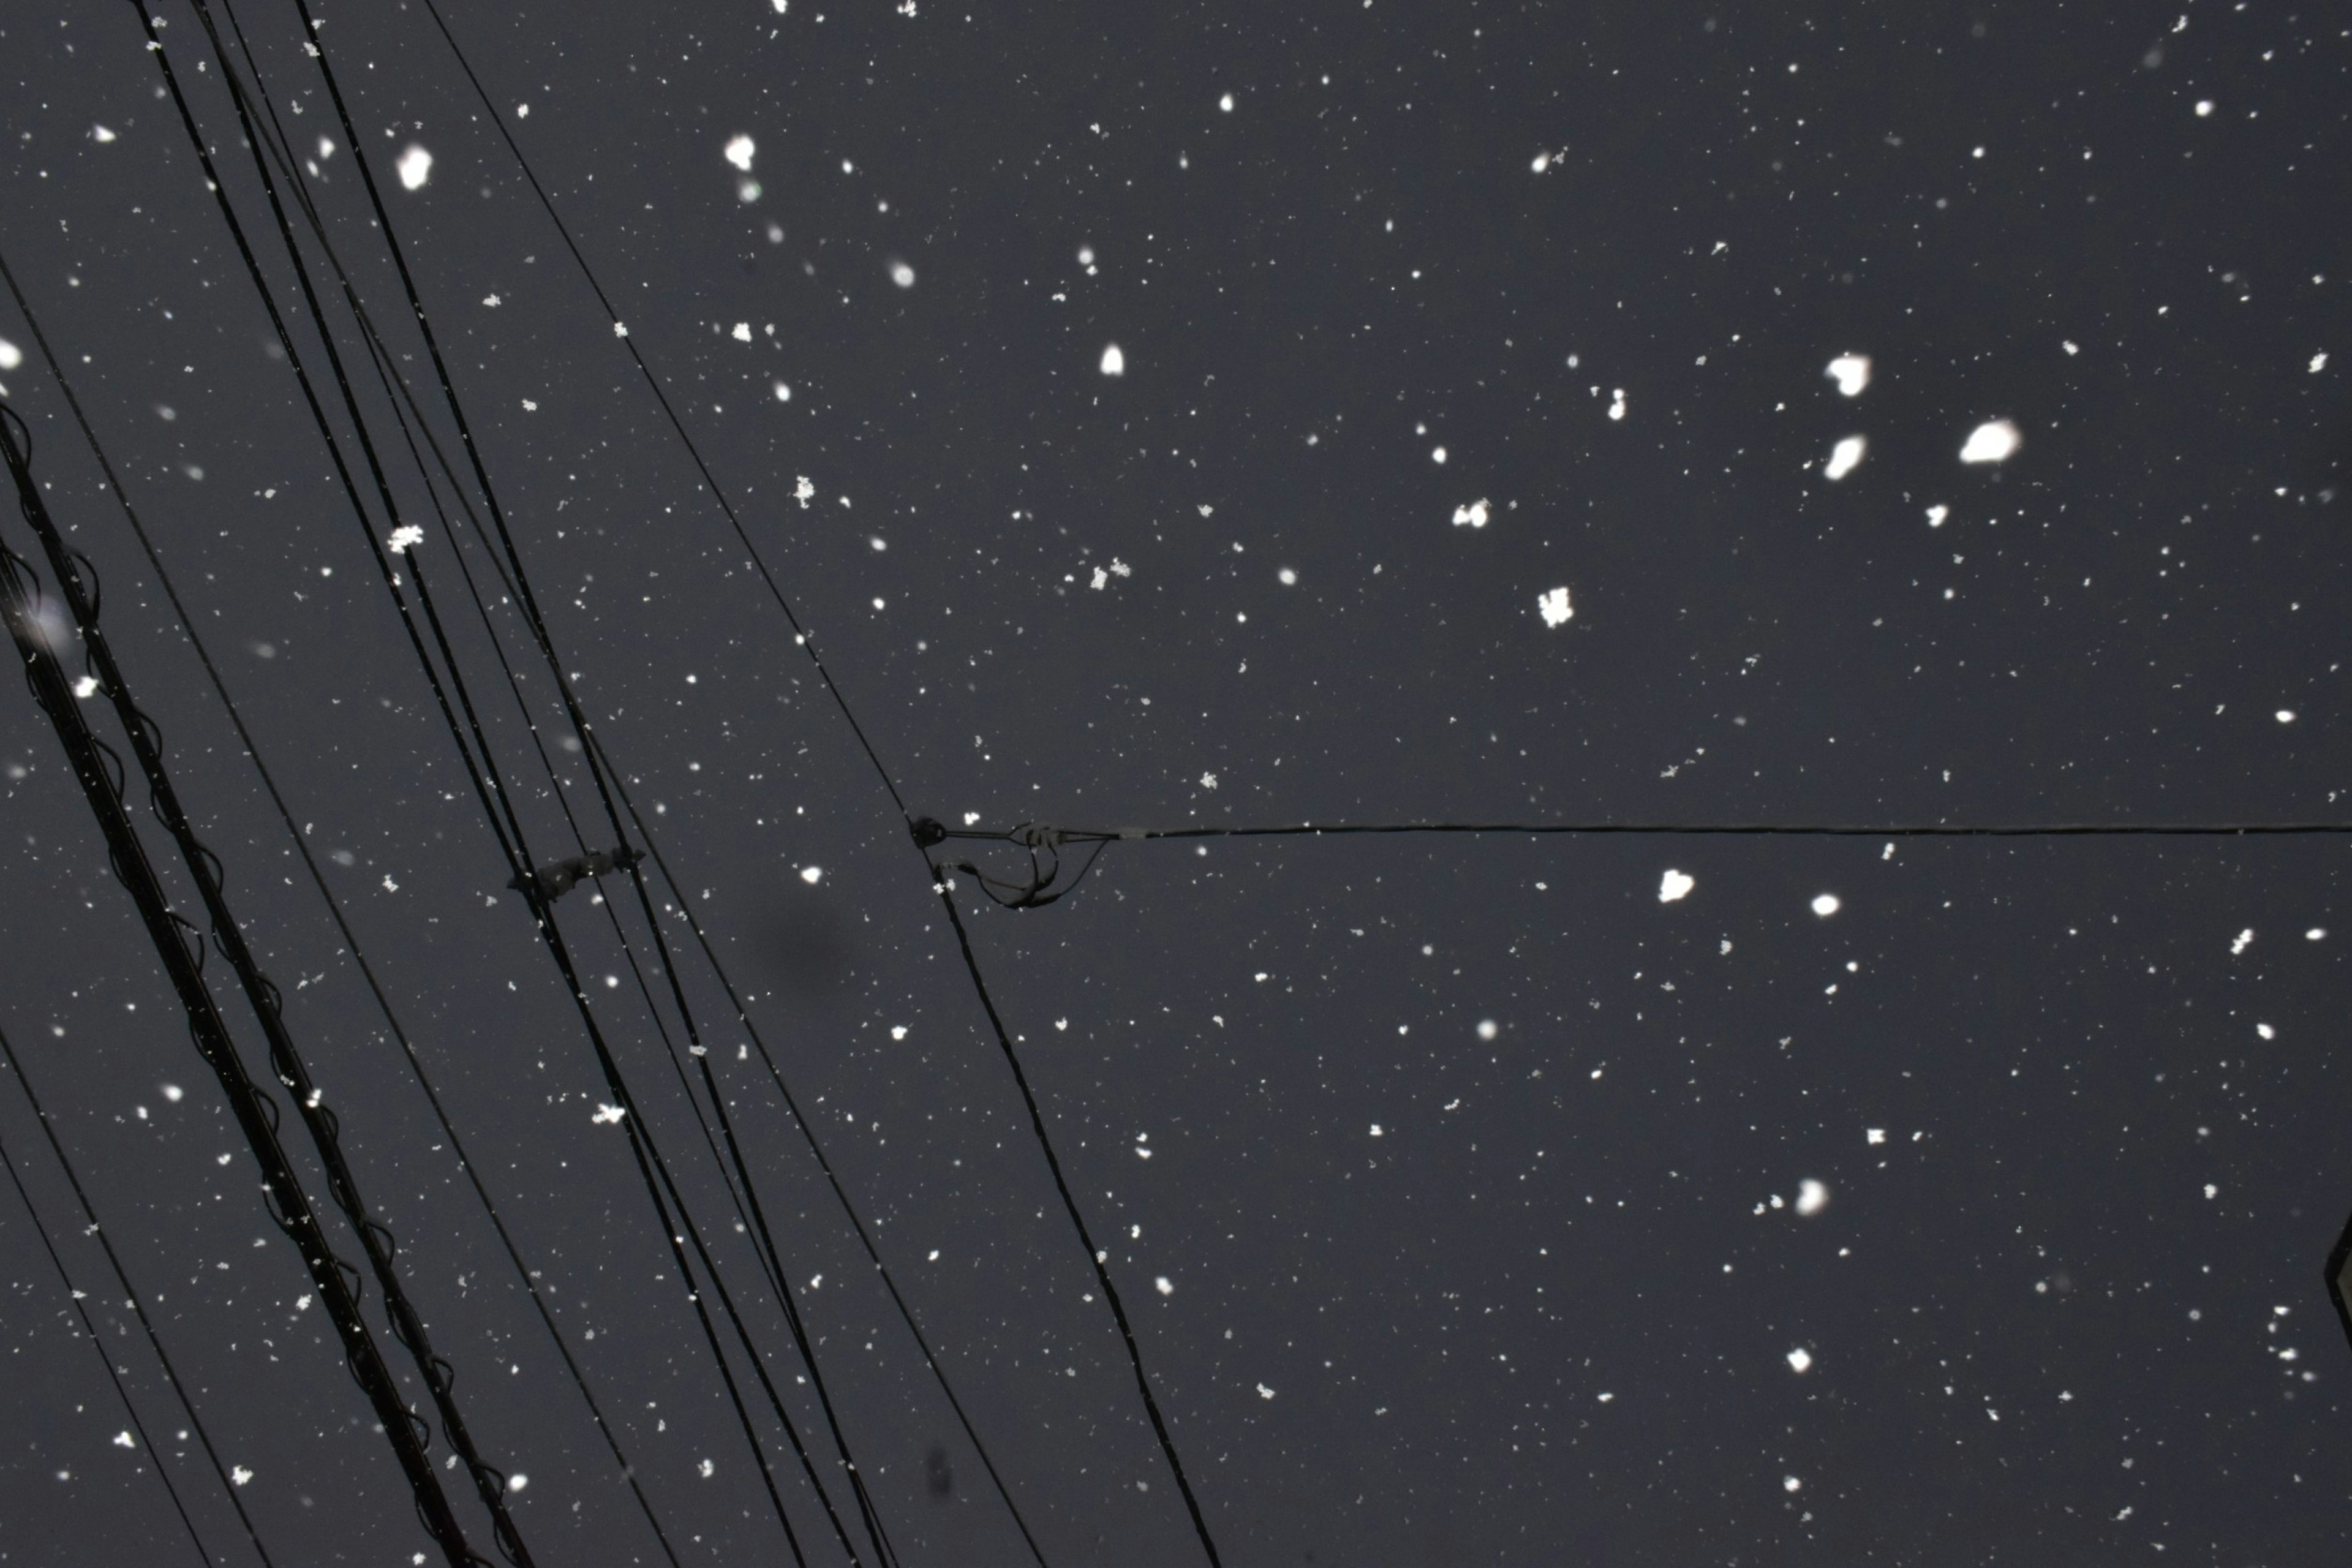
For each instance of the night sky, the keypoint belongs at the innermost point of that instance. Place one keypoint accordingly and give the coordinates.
(1485, 1199)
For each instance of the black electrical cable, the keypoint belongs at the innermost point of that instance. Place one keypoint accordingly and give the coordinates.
(335, 908)
(113, 1375)
(870, 1516)
(101, 785)
(77, 585)
(808, 645)
(131, 1300)
(1750, 830)
(640, 1136)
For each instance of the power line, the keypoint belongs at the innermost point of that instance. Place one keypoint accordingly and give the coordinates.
(131, 1300)
(334, 909)
(89, 1328)
(808, 646)
(484, 780)
(179, 943)
(1751, 829)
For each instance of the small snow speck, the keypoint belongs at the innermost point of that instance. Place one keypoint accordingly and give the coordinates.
(742, 333)
(811, 875)
(1488, 1028)
(1264, 1392)
(239, 1475)
(1554, 607)
(1800, 1360)
(1208, 780)
(1790, 1483)
(1165, 1286)
(1114, 363)
(415, 167)
(1826, 905)
(740, 151)
(1226, 104)
(405, 537)
(1812, 1197)
(2239, 942)
(1676, 886)
(1471, 514)
(2319, 363)
(2316, 934)
(608, 1115)
(2284, 715)
(1851, 371)
(902, 275)
(1874, 1134)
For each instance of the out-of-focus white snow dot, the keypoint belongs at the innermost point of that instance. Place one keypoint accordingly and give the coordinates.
(1812, 1197)
(1617, 407)
(239, 1475)
(1674, 885)
(124, 1439)
(1826, 905)
(2239, 942)
(1264, 1392)
(1437, 454)
(743, 332)
(11, 356)
(783, 393)
(415, 167)
(1376, 1131)
(2284, 715)
(1472, 514)
(1542, 161)
(898, 1031)
(1101, 580)
(740, 151)
(811, 875)
(620, 329)
(1605, 1396)
(389, 885)
(1874, 1134)
(1851, 371)
(2070, 346)
(1990, 442)
(405, 537)
(608, 1115)
(516, 1482)
(1936, 514)
(782, 6)
(1208, 780)
(2316, 934)
(2319, 363)
(1800, 1360)
(86, 687)
(1554, 607)
(491, 301)
(101, 133)
(1226, 103)
(1114, 363)
(2204, 107)
(1164, 1285)
(1845, 457)
(1790, 1483)
(173, 1093)
(2212, 1191)
(2266, 1031)
(902, 275)
(708, 1469)
(804, 491)
(1487, 1028)
(1287, 577)
(530, 405)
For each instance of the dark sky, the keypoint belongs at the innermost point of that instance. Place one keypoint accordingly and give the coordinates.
(1473, 1165)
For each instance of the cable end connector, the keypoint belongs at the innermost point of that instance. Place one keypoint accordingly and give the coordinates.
(552, 881)
(929, 831)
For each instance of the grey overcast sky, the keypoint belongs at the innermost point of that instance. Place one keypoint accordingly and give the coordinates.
(1222, 415)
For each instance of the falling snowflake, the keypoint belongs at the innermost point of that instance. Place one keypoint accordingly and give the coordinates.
(415, 167)
(740, 151)
(1991, 442)
(1554, 607)
(1472, 515)
(1851, 371)
(1674, 885)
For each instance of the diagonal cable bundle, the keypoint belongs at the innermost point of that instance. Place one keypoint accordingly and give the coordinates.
(179, 946)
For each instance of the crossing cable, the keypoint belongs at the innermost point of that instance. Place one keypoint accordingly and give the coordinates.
(113, 1375)
(647, 1157)
(513, 825)
(808, 646)
(180, 945)
(76, 584)
(1748, 829)
(335, 908)
(581, 725)
(131, 1300)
